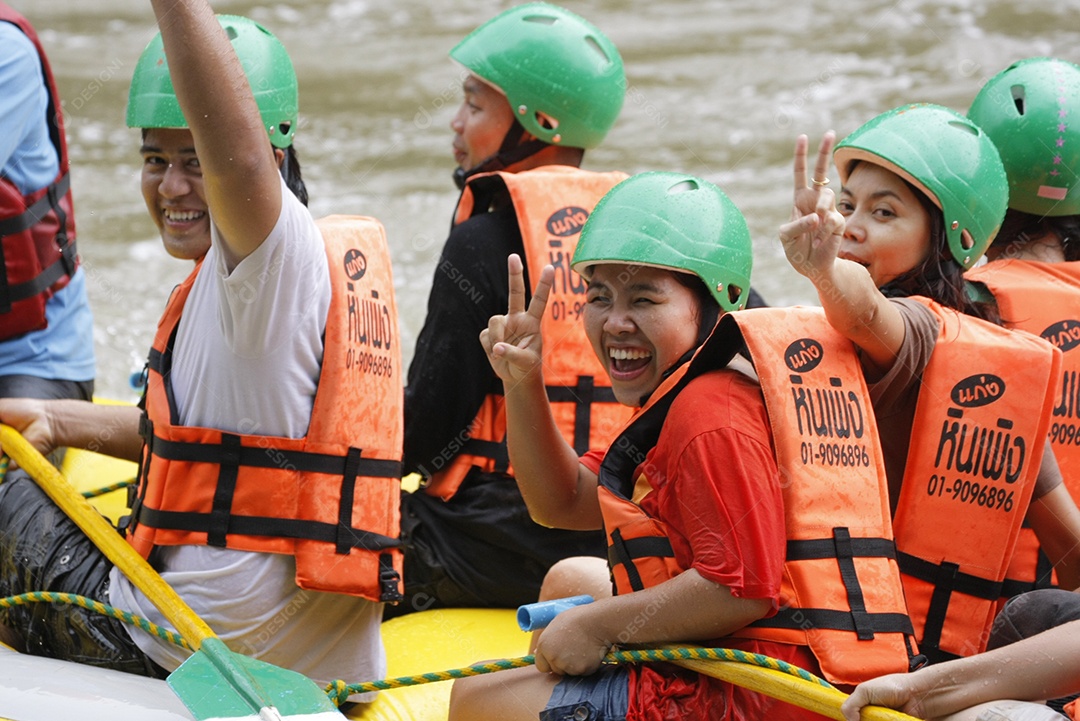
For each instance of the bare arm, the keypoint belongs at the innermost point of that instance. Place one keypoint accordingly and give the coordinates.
(557, 489)
(852, 303)
(1048, 662)
(238, 163)
(47, 425)
(685, 608)
(1056, 521)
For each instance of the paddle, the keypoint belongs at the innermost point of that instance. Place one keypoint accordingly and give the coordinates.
(214, 683)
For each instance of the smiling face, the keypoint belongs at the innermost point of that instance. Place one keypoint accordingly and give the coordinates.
(172, 186)
(640, 320)
(480, 124)
(887, 229)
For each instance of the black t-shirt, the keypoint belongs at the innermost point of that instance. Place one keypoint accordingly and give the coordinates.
(450, 376)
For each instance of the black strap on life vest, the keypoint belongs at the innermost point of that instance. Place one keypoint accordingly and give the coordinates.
(494, 450)
(1044, 576)
(230, 455)
(947, 579)
(63, 265)
(845, 550)
(625, 551)
(628, 450)
(582, 395)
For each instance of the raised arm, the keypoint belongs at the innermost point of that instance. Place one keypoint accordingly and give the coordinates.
(240, 168)
(558, 490)
(812, 240)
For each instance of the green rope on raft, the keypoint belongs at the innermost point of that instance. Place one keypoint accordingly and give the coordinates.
(339, 691)
(5, 461)
(98, 607)
(108, 489)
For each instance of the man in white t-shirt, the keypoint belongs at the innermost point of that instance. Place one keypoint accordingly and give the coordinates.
(246, 357)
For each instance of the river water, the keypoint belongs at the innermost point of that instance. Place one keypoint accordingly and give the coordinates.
(717, 88)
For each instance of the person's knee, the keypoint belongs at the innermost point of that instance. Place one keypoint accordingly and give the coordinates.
(576, 576)
(1006, 710)
(462, 698)
(1032, 613)
(471, 699)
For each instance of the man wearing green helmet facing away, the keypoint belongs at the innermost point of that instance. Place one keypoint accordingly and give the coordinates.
(690, 494)
(543, 85)
(235, 482)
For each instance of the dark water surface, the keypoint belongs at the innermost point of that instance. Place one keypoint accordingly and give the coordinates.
(716, 88)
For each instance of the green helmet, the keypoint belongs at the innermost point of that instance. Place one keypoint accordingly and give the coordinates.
(562, 76)
(1026, 109)
(948, 158)
(673, 221)
(152, 102)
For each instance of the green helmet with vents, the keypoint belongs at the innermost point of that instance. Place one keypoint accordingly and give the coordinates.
(152, 101)
(673, 221)
(563, 78)
(947, 157)
(1030, 110)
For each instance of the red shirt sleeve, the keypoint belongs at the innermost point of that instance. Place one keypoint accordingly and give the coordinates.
(717, 488)
(591, 460)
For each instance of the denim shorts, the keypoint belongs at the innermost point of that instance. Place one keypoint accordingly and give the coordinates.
(602, 696)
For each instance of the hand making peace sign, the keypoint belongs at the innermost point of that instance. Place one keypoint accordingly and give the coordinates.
(513, 342)
(812, 238)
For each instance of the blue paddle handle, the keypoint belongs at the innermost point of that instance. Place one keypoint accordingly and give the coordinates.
(533, 616)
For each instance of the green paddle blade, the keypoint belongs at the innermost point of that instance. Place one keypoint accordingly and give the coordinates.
(216, 683)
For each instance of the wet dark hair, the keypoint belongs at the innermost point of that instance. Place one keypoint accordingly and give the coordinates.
(290, 171)
(1021, 227)
(939, 277)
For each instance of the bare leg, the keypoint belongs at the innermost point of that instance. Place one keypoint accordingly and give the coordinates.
(1006, 711)
(519, 694)
(574, 577)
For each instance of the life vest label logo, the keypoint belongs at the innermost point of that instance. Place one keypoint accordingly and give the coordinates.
(803, 355)
(978, 390)
(355, 264)
(567, 221)
(1065, 334)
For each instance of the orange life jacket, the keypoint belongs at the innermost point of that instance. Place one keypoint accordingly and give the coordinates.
(332, 498)
(1044, 299)
(37, 230)
(551, 204)
(979, 431)
(841, 591)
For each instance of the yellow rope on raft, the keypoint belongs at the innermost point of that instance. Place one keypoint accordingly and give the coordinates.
(5, 461)
(98, 607)
(94, 493)
(339, 691)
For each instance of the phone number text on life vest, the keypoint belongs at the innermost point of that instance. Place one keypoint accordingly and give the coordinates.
(965, 491)
(848, 455)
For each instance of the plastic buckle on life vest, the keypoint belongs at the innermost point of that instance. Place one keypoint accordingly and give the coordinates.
(146, 429)
(389, 580)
